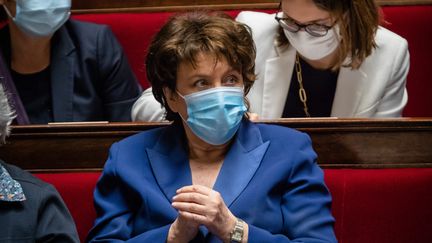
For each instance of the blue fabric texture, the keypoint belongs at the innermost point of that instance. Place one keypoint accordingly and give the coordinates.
(10, 189)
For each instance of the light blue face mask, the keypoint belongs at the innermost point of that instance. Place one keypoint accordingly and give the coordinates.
(214, 115)
(40, 17)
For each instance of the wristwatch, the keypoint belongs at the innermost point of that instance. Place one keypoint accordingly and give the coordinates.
(237, 232)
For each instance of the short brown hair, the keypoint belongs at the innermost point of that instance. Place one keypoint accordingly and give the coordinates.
(358, 22)
(185, 36)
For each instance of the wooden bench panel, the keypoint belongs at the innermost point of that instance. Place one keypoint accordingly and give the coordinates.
(339, 143)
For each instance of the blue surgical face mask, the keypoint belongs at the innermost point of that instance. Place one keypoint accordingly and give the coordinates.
(214, 115)
(40, 17)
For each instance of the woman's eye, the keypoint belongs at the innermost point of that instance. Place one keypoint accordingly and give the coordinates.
(231, 80)
(200, 83)
(326, 22)
(318, 27)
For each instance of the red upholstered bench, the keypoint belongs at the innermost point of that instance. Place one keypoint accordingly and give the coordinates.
(370, 205)
(135, 30)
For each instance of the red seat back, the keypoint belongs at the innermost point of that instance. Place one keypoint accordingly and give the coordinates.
(381, 205)
(413, 23)
(135, 32)
(76, 190)
(370, 205)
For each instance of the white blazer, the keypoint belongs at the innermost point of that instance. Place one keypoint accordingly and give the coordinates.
(376, 89)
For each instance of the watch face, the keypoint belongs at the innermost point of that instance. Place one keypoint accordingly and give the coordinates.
(237, 236)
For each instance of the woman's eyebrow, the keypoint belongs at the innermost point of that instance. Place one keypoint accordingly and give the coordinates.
(309, 22)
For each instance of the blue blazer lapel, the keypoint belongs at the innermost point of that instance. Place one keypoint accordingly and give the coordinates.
(170, 163)
(62, 75)
(241, 162)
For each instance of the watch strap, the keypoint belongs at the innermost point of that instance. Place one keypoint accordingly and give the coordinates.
(237, 232)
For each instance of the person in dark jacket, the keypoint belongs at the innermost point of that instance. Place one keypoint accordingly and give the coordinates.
(30, 209)
(62, 70)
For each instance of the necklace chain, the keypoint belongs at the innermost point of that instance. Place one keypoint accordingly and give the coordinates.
(302, 91)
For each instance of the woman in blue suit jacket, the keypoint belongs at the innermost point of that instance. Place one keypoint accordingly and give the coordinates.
(212, 175)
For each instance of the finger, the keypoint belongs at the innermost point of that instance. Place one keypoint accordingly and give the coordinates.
(183, 224)
(195, 188)
(190, 207)
(197, 218)
(190, 197)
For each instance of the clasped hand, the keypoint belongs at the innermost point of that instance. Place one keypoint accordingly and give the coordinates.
(199, 205)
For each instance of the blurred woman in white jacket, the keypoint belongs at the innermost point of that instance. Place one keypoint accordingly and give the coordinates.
(319, 58)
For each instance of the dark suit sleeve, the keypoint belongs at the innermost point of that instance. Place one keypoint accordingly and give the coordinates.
(120, 88)
(306, 203)
(114, 213)
(55, 224)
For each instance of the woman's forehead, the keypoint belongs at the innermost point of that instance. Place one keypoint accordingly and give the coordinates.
(204, 59)
(304, 11)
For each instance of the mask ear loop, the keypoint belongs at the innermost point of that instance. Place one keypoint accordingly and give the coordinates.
(180, 95)
(186, 108)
